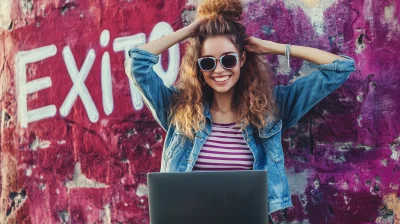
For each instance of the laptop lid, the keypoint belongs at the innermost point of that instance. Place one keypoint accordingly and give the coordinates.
(208, 197)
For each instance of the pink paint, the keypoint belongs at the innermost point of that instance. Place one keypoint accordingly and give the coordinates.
(347, 142)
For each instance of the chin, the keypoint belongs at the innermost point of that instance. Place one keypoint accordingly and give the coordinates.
(222, 89)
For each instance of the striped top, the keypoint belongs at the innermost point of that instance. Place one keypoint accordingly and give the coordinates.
(224, 149)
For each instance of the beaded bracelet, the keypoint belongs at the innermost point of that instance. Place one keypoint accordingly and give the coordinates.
(287, 54)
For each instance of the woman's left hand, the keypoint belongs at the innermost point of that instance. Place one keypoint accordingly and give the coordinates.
(257, 46)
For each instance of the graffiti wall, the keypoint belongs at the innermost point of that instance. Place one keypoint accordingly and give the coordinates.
(77, 141)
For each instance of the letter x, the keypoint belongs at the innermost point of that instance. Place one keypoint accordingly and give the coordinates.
(79, 88)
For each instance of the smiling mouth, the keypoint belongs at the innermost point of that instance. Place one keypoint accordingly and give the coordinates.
(222, 79)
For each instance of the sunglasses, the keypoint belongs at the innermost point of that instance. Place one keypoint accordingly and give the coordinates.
(227, 61)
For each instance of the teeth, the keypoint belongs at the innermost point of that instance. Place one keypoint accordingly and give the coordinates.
(221, 79)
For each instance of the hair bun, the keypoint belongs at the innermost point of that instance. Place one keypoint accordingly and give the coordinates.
(228, 9)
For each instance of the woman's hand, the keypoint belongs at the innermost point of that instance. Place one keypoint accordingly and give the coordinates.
(260, 47)
(156, 47)
(193, 27)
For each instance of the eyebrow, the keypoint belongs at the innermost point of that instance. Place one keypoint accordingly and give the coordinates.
(229, 52)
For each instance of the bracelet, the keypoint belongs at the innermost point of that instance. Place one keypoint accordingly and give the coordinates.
(287, 54)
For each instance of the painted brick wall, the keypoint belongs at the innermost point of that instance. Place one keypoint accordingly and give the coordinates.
(76, 140)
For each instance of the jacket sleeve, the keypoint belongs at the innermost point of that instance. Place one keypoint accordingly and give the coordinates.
(151, 87)
(296, 99)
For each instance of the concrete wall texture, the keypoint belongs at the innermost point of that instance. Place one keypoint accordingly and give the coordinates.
(77, 142)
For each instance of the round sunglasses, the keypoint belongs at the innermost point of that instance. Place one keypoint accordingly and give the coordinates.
(227, 61)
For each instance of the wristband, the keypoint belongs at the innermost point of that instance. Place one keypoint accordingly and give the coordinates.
(287, 54)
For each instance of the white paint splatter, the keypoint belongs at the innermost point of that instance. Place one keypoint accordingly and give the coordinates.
(395, 153)
(283, 68)
(316, 183)
(197, 2)
(79, 180)
(142, 190)
(365, 147)
(107, 214)
(193, 3)
(394, 186)
(391, 21)
(41, 144)
(346, 99)
(346, 199)
(397, 140)
(132, 132)
(42, 186)
(345, 185)
(314, 10)
(343, 146)
(26, 6)
(298, 180)
(368, 14)
(337, 159)
(306, 68)
(360, 97)
(359, 119)
(372, 190)
(28, 172)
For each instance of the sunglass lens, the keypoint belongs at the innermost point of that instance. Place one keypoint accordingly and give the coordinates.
(228, 61)
(207, 64)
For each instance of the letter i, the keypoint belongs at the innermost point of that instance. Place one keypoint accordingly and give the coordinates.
(106, 82)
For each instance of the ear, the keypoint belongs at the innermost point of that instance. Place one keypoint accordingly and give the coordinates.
(242, 58)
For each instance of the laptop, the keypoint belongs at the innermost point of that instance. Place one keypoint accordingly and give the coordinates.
(208, 197)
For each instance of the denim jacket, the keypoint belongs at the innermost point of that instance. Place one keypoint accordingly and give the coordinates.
(293, 101)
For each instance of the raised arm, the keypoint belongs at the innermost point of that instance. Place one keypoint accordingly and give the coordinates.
(296, 99)
(156, 47)
(314, 55)
(139, 68)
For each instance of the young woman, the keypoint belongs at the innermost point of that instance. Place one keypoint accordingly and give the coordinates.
(223, 113)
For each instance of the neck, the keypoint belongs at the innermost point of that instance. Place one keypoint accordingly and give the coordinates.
(222, 102)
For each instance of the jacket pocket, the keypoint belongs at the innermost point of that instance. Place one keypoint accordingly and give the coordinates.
(270, 136)
(176, 144)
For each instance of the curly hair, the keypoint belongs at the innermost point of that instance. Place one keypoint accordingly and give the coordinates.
(253, 100)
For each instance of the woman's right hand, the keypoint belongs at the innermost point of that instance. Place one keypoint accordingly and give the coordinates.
(156, 47)
(193, 27)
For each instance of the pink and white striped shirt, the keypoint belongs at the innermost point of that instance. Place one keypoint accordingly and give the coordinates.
(224, 149)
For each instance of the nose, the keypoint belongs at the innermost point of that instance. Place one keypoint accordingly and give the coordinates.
(219, 68)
